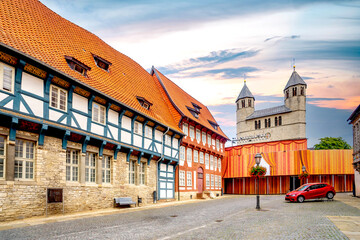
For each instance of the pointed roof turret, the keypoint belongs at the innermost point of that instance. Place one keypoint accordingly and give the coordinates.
(245, 93)
(295, 79)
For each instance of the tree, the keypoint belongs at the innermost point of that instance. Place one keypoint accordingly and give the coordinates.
(332, 143)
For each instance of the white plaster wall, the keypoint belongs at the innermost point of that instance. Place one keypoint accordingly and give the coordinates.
(158, 135)
(125, 137)
(114, 131)
(80, 103)
(96, 128)
(9, 105)
(32, 84)
(147, 143)
(113, 117)
(36, 105)
(174, 152)
(175, 143)
(137, 140)
(82, 120)
(54, 115)
(158, 146)
(3, 96)
(126, 122)
(168, 151)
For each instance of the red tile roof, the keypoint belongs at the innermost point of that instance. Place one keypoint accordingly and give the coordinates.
(31, 28)
(182, 100)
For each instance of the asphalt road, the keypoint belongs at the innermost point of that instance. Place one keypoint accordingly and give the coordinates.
(232, 217)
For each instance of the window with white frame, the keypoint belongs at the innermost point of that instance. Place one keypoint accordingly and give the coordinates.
(98, 113)
(198, 135)
(212, 181)
(192, 132)
(132, 172)
(189, 156)
(2, 156)
(204, 137)
(211, 162)
(182, 178)
(24, 159)
(207, 160)
(7, 76)
(219, 179)
(106, 169)
(217, 144)
(168, 140)
(186, 129)
(72, 165)
(189, 179)
(209, 139)
(142, 173)
(201, 157)
(90, 167)
(182, 153)
(216, 182)
(148, 132)
(58, 98)
(207, 180)
(219, 164)
(138, 128)
(215, 163)
(196, 156)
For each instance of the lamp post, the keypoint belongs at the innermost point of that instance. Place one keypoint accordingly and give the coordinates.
(303, 170)
(257, 161)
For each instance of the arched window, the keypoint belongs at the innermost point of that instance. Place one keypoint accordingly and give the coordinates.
(276, 121)
(266, 124)
(259, 124)
(243, 103)
(269, 123)
(287, 94)
(255, 124)
(302, 91)
(249, 103)
(280, 121)
(294, 91)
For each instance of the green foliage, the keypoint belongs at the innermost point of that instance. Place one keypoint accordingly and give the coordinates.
(303, 175)
(257, 171)
(332, 143)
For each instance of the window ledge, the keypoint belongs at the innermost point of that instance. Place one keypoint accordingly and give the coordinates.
(24, 182)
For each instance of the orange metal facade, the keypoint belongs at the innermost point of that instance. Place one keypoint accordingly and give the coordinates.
(285, 159)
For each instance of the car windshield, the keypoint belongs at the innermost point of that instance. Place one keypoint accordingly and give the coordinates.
(302, 188)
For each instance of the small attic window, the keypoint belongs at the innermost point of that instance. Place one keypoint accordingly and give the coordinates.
(144, 103)
(102, 63)
(194, 112)
(214, 125)
(196, 107)
(76, 65)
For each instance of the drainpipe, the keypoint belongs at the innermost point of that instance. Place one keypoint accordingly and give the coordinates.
(157, 164)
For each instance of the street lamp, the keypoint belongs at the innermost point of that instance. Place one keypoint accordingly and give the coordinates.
(303, 168)
(257, 161)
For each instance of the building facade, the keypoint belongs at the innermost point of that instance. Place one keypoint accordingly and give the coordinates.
(283, 122)
(202, 147)
(354, 119)
(79, 116)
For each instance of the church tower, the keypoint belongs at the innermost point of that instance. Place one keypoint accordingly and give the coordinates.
(244, 108)
(295, 100)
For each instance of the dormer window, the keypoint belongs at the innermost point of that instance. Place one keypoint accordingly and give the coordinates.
(76, 65)
(196, 107)
(214, 125)
(144, 103)
(102, 63)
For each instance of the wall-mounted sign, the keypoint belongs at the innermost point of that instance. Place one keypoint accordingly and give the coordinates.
(251, 138)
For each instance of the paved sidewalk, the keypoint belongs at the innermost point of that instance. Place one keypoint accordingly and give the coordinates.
(349, 225)
(88, 214)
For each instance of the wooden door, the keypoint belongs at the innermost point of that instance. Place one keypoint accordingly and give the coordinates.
(200, 180)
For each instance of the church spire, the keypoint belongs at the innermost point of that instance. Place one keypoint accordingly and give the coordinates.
(245, 92)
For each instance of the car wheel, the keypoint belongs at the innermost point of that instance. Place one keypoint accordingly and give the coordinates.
(300, 199)
(330, 195)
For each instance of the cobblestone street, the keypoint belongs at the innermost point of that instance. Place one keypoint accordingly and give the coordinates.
(231, 217)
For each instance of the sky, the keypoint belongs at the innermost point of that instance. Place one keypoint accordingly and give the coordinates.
(209, 47)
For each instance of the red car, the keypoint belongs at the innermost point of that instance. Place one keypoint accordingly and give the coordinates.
(311, 191)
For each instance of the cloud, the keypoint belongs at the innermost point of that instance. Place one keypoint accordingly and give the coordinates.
(282, 38)
(212, 59)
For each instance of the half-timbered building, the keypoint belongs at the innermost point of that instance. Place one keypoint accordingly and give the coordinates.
(202, 148)
(77, 115)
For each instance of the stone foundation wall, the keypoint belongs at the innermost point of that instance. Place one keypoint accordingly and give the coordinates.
(23, 199)
(193, 195)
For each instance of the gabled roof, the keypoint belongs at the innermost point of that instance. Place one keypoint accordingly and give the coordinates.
(268, 112)
(29, 27)
(354, 115)
(245, 93)
(181, 101)
(295, 79)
